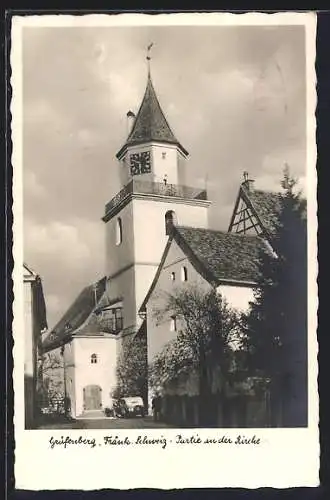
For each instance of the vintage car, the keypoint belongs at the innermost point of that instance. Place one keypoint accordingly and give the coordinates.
(135, 406)
(129, 407)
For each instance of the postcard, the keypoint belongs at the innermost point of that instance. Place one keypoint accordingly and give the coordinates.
(165, 250)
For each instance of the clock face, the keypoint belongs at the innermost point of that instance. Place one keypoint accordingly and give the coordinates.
(140, 163)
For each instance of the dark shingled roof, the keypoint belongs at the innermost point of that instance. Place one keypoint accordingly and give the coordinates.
(220, 257)
(150, 123)
(225, 256)
(76, 315)
(267, 205)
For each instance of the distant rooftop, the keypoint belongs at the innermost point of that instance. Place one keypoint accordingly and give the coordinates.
(76, 315)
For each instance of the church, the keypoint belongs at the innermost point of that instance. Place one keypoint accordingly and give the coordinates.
(176, 245)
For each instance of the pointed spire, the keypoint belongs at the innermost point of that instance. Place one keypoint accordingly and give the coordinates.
(150, 123)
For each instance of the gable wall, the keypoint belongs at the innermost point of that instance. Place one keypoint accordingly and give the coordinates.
(103, 373)
(159, 332)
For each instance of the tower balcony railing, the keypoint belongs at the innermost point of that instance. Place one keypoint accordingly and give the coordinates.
(156, 188)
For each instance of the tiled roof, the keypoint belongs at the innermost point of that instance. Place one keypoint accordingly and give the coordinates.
(150, 123)
(76, 315)
(225, 256)
(218, 256)
(267, 205)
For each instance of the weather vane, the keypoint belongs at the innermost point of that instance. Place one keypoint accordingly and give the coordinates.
(148, 56)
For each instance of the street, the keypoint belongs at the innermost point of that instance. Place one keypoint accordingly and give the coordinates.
(108, 423)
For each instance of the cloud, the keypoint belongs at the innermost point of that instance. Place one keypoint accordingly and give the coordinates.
(68, 255)
(32, 186)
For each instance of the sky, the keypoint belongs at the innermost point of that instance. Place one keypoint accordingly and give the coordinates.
(234, 97)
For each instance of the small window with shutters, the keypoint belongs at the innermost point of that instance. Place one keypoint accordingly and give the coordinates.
(93, 359)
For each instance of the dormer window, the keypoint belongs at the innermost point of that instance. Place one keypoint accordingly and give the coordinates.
(94, 359)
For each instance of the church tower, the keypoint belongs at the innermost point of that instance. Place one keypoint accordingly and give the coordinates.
(153, 196)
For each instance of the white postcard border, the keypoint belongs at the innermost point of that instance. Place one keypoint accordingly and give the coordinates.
(285, 457)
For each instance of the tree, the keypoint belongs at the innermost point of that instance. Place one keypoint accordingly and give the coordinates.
(277, 321)
(132, 367)
(52, 381)
(207, 334)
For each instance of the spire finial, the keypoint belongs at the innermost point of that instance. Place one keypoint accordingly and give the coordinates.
(149, 57)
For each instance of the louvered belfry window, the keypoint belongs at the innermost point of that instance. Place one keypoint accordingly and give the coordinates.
(170, 221)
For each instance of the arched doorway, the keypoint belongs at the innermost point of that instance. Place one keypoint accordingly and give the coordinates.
(92, 397)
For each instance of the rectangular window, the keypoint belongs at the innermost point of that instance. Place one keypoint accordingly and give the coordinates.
(173, 324)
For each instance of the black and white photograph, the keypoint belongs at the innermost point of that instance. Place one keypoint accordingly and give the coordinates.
(168, 225)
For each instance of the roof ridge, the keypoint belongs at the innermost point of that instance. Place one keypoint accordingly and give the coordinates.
(219, 231)
(270, 191)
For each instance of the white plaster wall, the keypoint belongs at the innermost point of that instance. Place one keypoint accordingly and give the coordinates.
(159, 333)
(103, 373)
(29, 376)
(119, 256)
(238, 297)
(144, 240)
(124, 171)
(167, 165)
(149, 225)
(144, 275)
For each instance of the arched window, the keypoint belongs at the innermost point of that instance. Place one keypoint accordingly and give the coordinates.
(184, 273)
(170, 221)
(173, 276)
(94, 359)
(119, 231)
